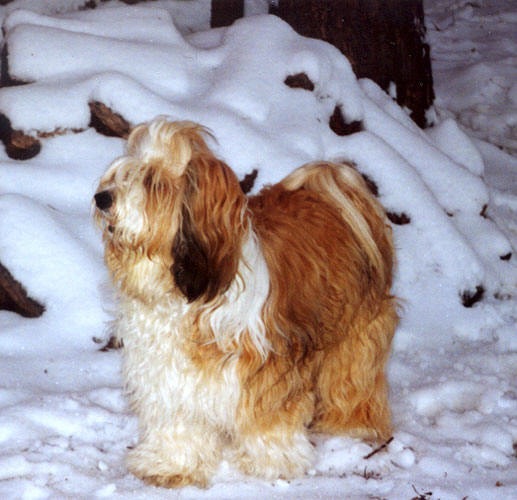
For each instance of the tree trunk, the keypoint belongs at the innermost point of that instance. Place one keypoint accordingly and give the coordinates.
(384, 40)
(225, 12)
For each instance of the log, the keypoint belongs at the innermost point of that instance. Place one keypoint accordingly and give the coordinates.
(471, 297)
(337, 122)
(340, 126)
(400, 219)
(21, 146)
(18, 145)
(299, 81)
(248, 181)
(107, 122)
(13, 296)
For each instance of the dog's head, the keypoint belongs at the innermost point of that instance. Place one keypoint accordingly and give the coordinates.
(172, 215)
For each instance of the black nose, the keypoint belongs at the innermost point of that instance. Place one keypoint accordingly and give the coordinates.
(103, 200)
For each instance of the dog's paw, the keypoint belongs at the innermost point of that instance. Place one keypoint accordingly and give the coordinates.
(175, 480)
(168, 475)
(274, 457)
(169, 467)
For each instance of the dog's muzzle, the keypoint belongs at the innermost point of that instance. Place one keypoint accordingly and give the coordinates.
(103, 200)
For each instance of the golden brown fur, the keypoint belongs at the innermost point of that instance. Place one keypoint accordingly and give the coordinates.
(246, 322)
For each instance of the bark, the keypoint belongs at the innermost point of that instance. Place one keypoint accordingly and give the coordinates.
(225, 12)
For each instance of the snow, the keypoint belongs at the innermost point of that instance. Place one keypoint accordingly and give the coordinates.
(64, 423)
(474, 50)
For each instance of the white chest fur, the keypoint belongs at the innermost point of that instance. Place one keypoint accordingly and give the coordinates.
(163, 383)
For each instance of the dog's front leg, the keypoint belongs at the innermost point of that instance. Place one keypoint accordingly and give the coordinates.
(271, 438)
(179, 454)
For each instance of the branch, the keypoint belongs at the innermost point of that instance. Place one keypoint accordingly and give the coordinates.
(380, 448)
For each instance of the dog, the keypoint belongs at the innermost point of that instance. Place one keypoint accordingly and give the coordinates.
(247, 321)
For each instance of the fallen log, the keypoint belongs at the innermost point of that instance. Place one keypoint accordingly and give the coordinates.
(107, 122)
(337, 122)
(18, 145)
(21, 146)
(13, 296)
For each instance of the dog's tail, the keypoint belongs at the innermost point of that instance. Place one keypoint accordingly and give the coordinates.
(343, 187)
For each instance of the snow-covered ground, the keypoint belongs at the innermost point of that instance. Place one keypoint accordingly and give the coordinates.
(64, 423)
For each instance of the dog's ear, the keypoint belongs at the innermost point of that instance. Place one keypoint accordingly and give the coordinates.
(207, 248)
(190, 268)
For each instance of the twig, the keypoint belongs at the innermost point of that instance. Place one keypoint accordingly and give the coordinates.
(421, 496)
(380, 448)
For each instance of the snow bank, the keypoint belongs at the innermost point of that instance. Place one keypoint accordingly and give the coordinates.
(64, 426)
(57, 269)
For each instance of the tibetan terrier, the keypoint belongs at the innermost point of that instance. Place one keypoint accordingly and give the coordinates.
(246, 321)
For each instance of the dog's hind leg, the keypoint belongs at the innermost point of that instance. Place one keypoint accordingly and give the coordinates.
(271, 439)
(351, 392)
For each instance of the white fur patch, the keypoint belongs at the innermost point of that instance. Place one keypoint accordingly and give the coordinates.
(166, 389)
(241, 311)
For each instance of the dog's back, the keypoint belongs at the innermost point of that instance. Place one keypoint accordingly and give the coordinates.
(326, 244)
